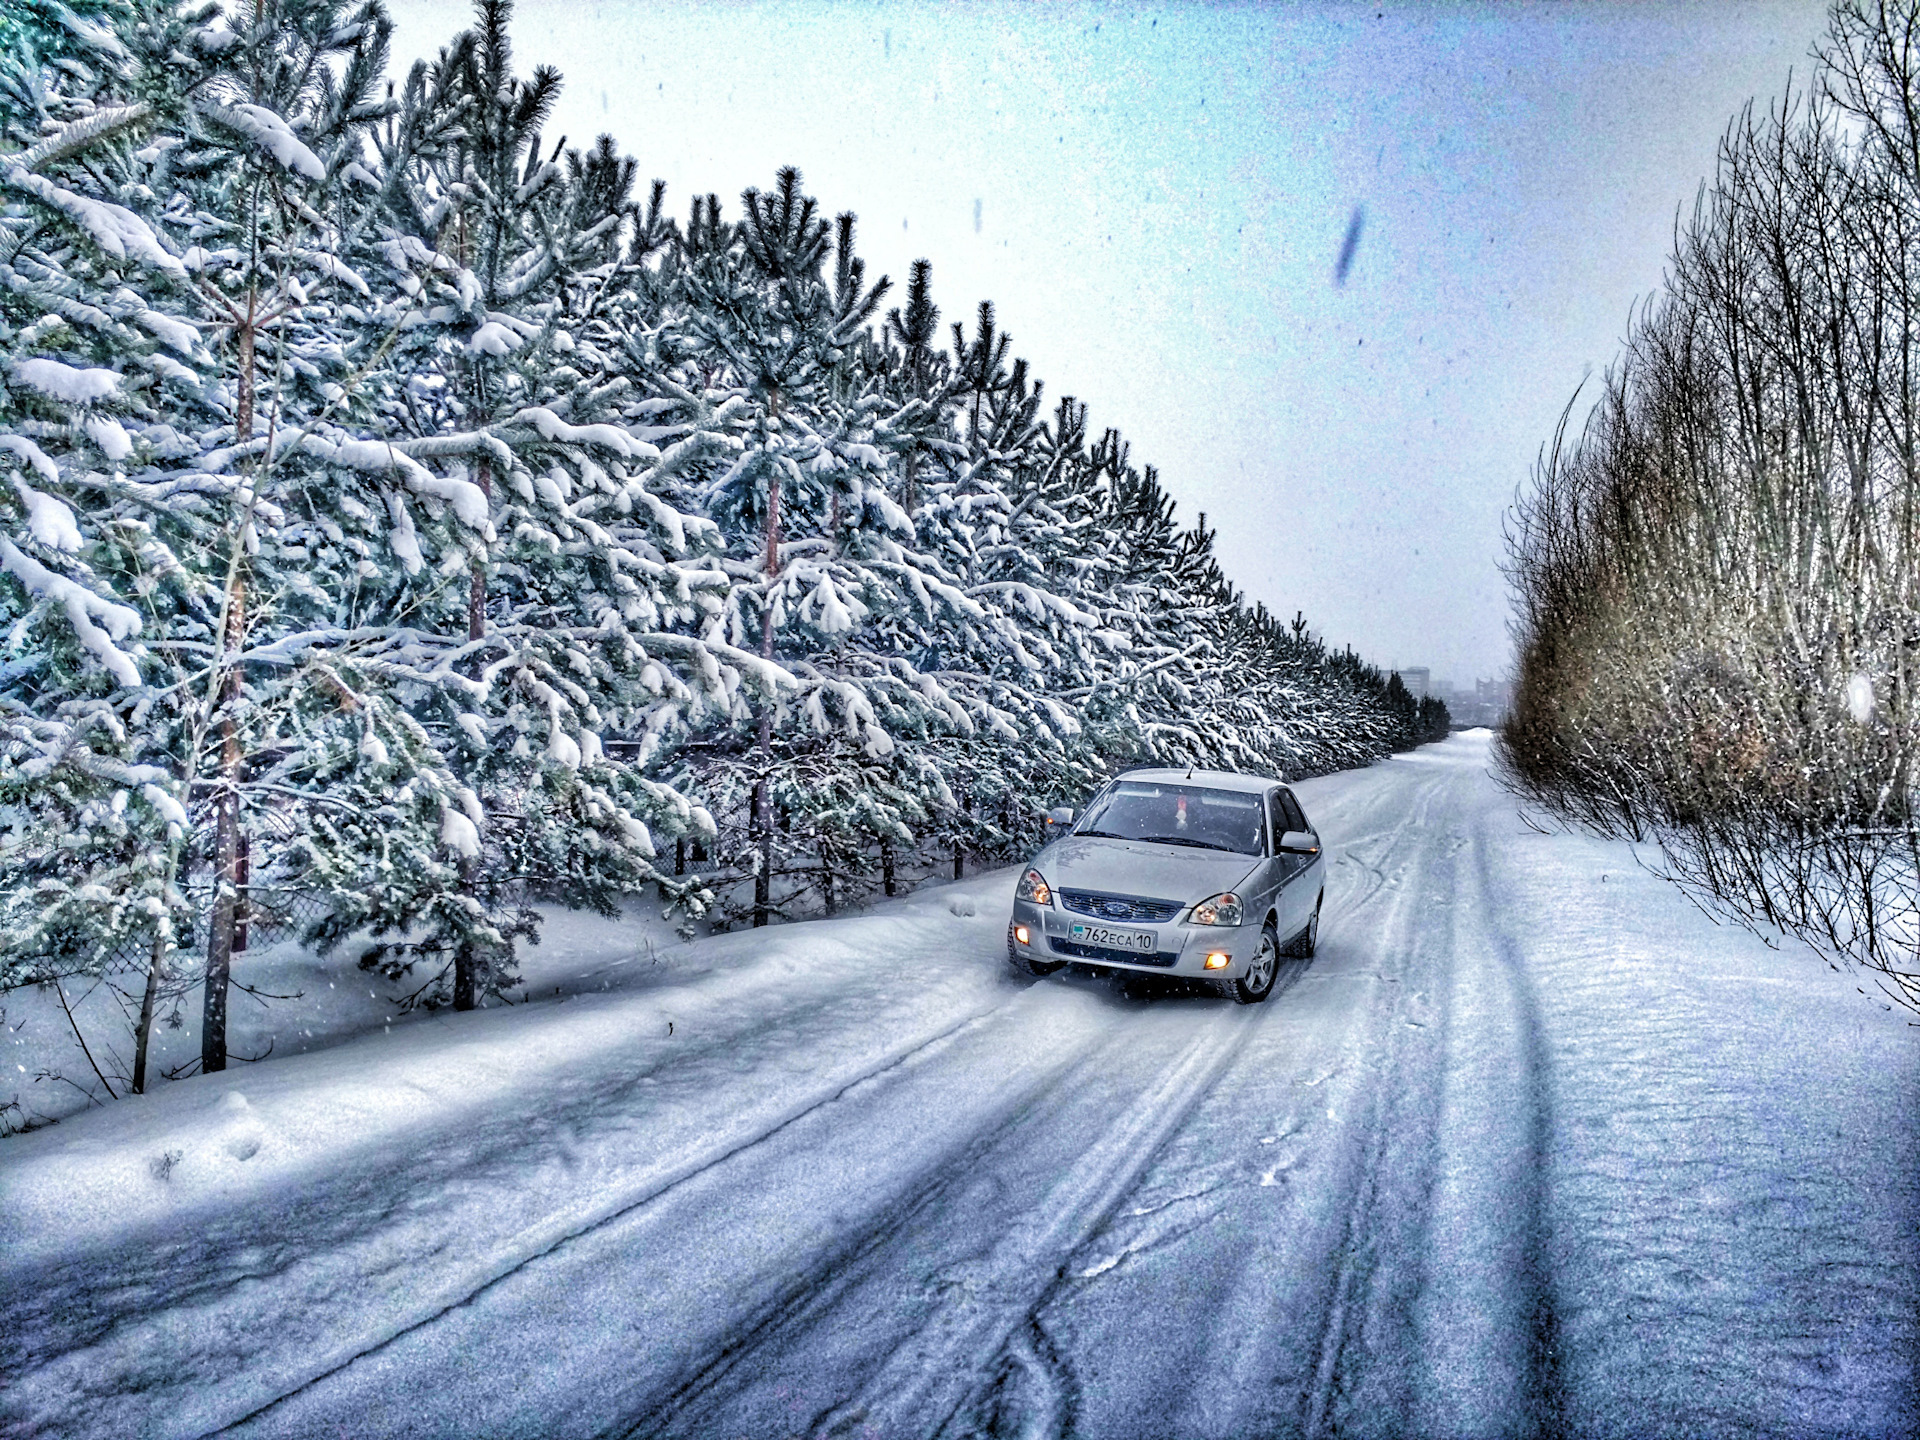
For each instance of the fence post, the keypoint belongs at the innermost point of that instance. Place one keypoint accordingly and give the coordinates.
(242, 871)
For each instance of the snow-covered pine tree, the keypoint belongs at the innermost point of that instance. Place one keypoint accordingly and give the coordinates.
(774, 397)
(281, 90)
(919, 376)
(987, 516)
(579, 609)
(99, 353)
(761, 334)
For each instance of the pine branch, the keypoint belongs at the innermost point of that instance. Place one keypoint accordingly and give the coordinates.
(79, 135)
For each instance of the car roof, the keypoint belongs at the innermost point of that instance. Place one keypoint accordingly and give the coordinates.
(1211, 779)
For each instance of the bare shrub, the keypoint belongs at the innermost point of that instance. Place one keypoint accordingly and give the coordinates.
(1716, 578)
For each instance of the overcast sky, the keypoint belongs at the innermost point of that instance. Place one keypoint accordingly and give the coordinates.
(1156, 200)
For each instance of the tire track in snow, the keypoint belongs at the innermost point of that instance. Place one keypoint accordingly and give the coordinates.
(1035, 1393)
(1486, 1321)
(936, 1372)
(1354, 1260)
(1441, 1316)
(565, 1230)
(827, 1280)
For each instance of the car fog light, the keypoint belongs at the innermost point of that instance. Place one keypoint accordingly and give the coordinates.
(1219, 960)
(1021, 934)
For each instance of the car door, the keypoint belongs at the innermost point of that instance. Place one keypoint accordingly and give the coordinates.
(1311, 876)
(1277, 870)
(1295, 904)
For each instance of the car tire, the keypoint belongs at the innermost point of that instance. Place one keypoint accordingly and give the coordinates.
(1033, 969)
(1257, 983)
(1308, 940)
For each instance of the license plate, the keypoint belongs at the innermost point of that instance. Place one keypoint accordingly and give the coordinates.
(1141, 940)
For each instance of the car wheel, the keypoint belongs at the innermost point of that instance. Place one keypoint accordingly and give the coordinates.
(1257, 983)
(1305, 942)
(1032, 968)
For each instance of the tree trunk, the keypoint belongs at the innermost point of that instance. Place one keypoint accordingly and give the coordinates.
(227, 875)
(763, 825)
(886, 865)
(763, 790)
(226, 805)
(243, 383)
(226, 848)
(477, 590)
(466, 968)
(143, 1036)
(466, 964)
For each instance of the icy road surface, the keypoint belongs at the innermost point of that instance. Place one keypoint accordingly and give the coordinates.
(1532, 1147)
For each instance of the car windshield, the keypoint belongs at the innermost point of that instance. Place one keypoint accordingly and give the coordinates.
(1176, 814)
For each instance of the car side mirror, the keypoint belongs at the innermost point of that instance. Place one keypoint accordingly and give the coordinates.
(1299, 842)
(1060, 815)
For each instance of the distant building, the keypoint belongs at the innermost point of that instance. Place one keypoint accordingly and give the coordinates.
(1482, 703)
(1485, 704)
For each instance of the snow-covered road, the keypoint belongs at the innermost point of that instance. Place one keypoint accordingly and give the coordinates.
(1531, 1147)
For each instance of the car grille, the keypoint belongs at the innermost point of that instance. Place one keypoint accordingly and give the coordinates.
(1105, 956)
(1119, 907)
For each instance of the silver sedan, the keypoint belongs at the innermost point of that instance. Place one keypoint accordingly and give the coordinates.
(1196, 873)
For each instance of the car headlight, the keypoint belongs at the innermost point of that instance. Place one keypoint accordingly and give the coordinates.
(1033, 886)
(1220, 910)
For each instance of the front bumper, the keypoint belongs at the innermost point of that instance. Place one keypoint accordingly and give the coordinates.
(1179, 948)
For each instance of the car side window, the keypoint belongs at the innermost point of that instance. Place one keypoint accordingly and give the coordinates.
(1277, 819)
(1296, 817)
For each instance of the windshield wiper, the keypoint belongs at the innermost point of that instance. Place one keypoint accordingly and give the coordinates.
(1196, 844)
(1101, 835)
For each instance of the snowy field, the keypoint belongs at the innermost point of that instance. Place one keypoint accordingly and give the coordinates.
(1533, 1146)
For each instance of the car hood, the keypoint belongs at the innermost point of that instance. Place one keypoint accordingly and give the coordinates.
(1133, 867)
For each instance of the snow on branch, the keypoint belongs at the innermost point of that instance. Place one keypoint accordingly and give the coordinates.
(770, 675)
(75, 137)
(608, 437)
(82, 605)
(271, 133)
(1037, 602)
(48, 519)
(470, 443)
(169, 330)
(458, 833)
(114, 228)
(403, 539)
(335, 268)
(70, 383)
(664, 515)
(41, 462)
(378, 457)
(493, 338)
